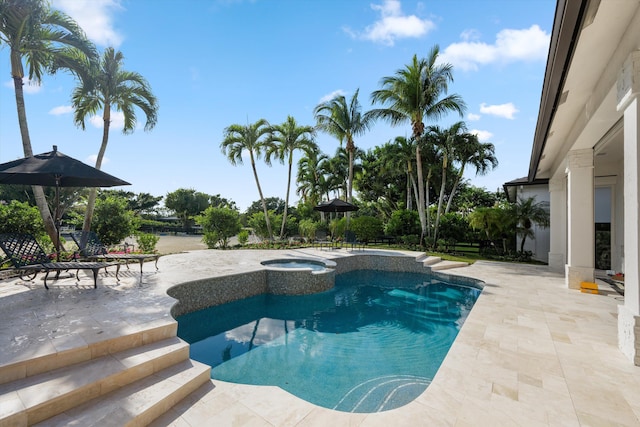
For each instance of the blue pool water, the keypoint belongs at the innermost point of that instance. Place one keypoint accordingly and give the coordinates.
(372, 343)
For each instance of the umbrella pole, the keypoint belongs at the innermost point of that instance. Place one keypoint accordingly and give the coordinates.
(57, 219)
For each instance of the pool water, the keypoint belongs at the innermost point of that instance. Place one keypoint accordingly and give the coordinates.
(372, 343)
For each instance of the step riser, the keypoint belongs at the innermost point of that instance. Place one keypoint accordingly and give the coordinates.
(61, 359)
(108, 384)
(170, 401)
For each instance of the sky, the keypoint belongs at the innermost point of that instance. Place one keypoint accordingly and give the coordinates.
(214, 63)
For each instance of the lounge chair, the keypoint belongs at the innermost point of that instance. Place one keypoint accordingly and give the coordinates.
(351, 239)
(90, 247)
(27, 256)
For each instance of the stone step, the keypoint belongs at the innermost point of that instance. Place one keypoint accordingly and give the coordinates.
(431, 260)
(38, 397)
(81, 348)
(446, 265)
(139, 403)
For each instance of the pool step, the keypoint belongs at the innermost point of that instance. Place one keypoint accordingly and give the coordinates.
(382, 393)
(59, 390)
(446, 265)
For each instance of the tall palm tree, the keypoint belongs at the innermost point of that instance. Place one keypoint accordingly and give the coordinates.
(310, 179)
(286, 138)
(251, 138)
(446, 140)
(415, 94)
(480, 155)
(344, 122)
(105, 85)
(47, 40)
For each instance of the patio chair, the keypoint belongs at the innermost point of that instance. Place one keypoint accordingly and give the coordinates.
(322, 240)
(28, 257)
(351, 239)
(90, 247)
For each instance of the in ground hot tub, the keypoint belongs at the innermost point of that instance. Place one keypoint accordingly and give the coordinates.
(299, 276)
(315, 265)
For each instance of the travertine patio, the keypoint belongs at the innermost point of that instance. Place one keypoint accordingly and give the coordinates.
(532, 352)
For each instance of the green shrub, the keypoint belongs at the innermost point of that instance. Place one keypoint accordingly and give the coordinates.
(366, 228)
(402, 223)
(308, 228)
(147, 242)
(112, 221)
(243, 237)
(19, 217)
(219, 225)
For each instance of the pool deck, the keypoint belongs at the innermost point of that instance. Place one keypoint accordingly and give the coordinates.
(531, 353)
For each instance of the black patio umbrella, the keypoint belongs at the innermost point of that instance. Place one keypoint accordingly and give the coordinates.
(54, 169)
(336, 205)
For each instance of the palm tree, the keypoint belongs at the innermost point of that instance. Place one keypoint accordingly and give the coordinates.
(106, 86)
(310, 179)
(47, 40)
(446, 140)
(252, 139)
(480, 155)
(286, 139)
(413, 95)
(344, 122)
(527, 211)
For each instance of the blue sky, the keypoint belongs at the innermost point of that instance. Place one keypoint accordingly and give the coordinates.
(213, 63)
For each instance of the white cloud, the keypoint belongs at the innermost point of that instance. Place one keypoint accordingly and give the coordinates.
(95, 17)
(117, 121)
(473, 117)
(392, 25)
(60, 110)
(330, 96)
(28, 86)
(483, 135)
(502, 110)
(530, 44)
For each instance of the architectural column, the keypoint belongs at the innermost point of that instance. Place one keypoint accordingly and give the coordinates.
(580, 218)
(558, 227)
(628, 87)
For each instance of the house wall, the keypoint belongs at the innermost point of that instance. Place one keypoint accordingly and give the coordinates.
(540, 245)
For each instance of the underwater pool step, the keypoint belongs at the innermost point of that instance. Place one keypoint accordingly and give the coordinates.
(38, 397)
(382, 393)
(138, 403)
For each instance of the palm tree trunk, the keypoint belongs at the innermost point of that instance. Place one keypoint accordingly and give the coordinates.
(455, 188)
(350, 149)
(264, 203)
(91, 202)
(286, 201)
(427, 203)
(421, 213)
(441, 197)
(38, 193)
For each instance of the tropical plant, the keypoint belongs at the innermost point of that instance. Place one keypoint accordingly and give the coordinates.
(112, 221)
(446, 140)
(219, 225)
(403, 223)
(469, 151)
(147, 242)
(252, 139)
(366, 228)
(310, 179)
(344, 122)
(287, 138)
(47, 40)
(105, 85)
(20, 217)
(528, 212)
(414, 94)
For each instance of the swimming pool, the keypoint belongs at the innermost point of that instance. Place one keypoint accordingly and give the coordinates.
(371, 343)
(296, 263)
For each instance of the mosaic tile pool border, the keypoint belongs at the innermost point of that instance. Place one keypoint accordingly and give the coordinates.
(200, 294)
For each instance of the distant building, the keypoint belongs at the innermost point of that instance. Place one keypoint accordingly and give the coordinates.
(587, 145)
